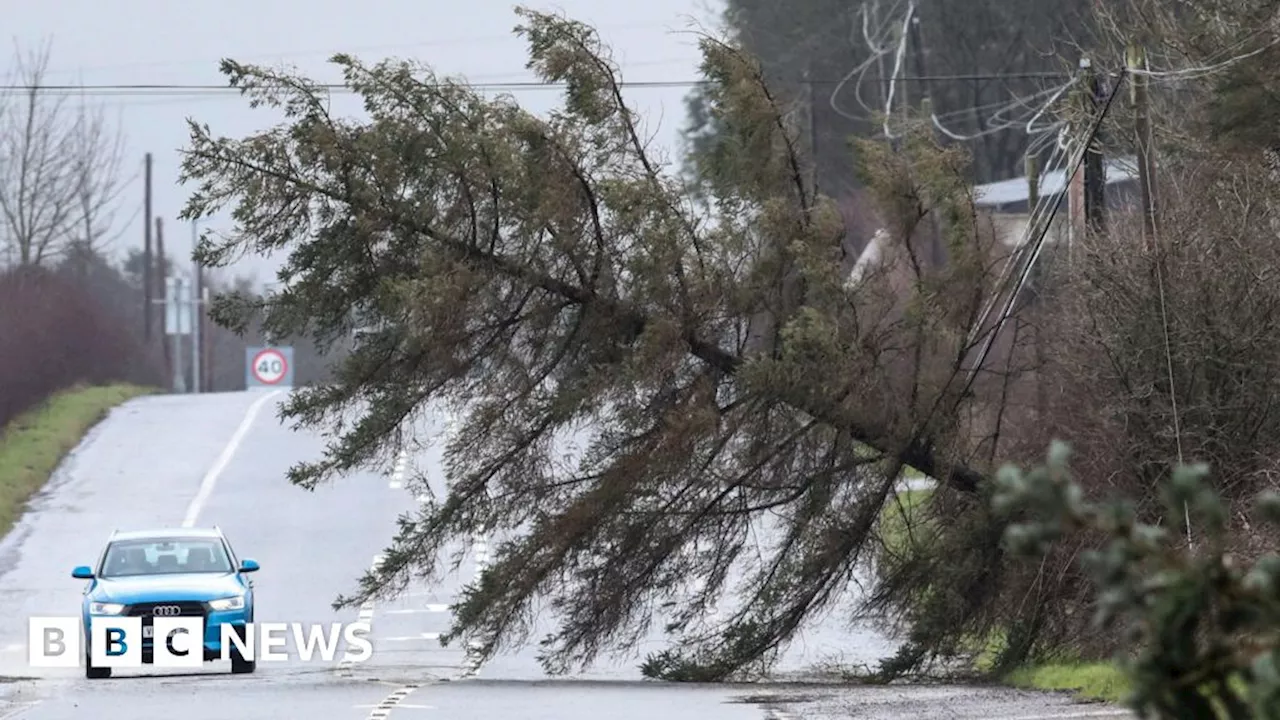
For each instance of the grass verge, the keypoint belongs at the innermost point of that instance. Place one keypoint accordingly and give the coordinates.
(34, 443)
(1097, 681)
(1088, 680)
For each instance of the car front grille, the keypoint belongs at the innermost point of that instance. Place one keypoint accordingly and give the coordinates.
(185, 609)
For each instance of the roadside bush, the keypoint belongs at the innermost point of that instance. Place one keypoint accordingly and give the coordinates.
(1200, 627)
(56, 332)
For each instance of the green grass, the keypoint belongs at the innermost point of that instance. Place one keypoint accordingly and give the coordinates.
(1088, 680)
(33, 445)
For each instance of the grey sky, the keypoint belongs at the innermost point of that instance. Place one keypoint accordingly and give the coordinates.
(168, 42)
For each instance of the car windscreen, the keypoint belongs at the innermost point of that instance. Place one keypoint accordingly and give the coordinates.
(166, 556)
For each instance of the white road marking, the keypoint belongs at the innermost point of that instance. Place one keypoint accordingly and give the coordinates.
(480, 542)
(383, 709)
(211, 477)
(397, 473)
(408, 638)
(433, 608)
(364, 616)
(14, 647)
(400, 706)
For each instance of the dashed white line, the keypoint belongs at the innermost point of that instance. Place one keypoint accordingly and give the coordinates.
(430, 608)
(410, 638)
(383, 709)
(211, 477)
(397, 473)
(365, 616)
(480, 542)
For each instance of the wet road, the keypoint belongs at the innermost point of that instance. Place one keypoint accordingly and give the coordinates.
(221, 460)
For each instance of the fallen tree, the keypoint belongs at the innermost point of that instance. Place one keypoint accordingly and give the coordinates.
(545, 274)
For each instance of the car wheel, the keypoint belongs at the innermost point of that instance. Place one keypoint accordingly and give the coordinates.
(92, 672)
(240, 666)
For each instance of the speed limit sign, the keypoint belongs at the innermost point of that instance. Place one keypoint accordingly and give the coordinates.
(268, 366)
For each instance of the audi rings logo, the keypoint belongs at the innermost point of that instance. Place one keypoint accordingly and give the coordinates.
(166, 611)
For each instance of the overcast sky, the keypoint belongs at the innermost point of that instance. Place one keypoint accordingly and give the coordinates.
(132, 42)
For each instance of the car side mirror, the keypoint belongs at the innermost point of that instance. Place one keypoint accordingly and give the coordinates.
(83, 572)
(247, 566)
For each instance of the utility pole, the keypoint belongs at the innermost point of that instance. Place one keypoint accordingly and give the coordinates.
(917, 55)
(1032, 169)
(197, 313)
(1037, 338)
(936, 253)
(1076, 160)
(1095, 180)
(163, 274)
(146, 253)
(1143, 140)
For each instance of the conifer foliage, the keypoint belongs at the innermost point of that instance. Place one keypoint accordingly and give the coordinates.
(544, 275)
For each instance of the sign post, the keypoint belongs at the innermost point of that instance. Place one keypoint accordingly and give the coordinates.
(268, 367)
(177, 324)
(182, 311)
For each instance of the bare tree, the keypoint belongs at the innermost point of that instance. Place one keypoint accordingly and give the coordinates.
(97, 155)
(60, 166)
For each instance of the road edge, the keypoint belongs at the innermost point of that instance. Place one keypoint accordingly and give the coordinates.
(35, 445)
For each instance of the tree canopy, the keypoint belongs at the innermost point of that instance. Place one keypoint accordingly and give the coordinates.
(541, 275)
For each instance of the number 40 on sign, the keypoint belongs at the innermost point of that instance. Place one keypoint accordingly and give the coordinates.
(270, 366)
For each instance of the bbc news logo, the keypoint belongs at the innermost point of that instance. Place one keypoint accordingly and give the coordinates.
(179, 641)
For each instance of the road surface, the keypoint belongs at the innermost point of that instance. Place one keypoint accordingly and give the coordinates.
(220, 460)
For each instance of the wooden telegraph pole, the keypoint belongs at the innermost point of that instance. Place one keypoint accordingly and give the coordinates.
(1095, 178)
(1143, 140)
(936, 248)
(162, 273)
(1086, 189)
(146, 253)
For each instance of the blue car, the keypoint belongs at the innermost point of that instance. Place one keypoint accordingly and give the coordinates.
(171, 573)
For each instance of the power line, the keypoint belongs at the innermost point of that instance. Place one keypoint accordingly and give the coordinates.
(317, 52)
(165, 88)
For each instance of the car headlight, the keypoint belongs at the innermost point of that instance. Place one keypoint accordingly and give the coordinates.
(231, 603)
(105, 608)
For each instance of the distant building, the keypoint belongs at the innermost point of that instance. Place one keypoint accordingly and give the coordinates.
(1007, 201)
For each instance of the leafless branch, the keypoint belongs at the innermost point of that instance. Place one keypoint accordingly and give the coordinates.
(60, 169)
